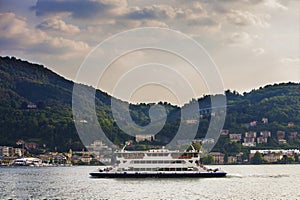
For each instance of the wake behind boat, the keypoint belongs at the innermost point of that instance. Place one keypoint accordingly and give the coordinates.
(157, 163)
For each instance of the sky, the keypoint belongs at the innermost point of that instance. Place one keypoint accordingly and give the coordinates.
(251, 43)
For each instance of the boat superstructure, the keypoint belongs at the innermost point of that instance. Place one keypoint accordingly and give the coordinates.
(157, 163)
(27, 162)
(158, 160)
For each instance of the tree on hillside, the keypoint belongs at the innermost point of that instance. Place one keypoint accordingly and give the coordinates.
(207, 160)
(257, 158)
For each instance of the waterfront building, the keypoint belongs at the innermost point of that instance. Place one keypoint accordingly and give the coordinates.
(232, 159)
(274, 155)
(6, 151)
(218, 157)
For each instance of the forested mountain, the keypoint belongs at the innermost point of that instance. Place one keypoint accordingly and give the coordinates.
(36, 106)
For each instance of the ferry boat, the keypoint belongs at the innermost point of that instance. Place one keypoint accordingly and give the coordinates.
(27, 162)
(157, 163)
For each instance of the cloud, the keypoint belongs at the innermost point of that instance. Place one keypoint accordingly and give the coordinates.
(240, 38)
(191, 15)
(246, 18)
(77, 8)
(154, 23)
(290, 60)
(203, 21)
(17, 35)
(208, 14)
(258, 51)
(54, 24)
(275, 5)
(151, 12)
(225, 6)
(198, 7)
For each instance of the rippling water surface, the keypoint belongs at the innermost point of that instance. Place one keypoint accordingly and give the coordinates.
(242, 182)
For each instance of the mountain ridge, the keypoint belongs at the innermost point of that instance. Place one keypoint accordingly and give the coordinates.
(49, 120)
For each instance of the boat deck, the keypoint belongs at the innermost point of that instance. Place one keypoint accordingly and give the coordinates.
(156, 174)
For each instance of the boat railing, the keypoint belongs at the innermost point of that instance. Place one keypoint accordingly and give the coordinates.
(133, 157)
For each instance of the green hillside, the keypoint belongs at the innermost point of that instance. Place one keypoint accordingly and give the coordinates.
(23, 85)
(36, 106)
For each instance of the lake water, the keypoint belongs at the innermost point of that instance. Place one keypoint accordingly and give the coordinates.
(242, 182)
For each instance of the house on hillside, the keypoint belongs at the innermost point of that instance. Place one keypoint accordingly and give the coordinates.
(265, 134)
(235, 137)
(224, 132)
(261, 140)
(264, 120)
(292, 135)
(250, 134)
(280, 135)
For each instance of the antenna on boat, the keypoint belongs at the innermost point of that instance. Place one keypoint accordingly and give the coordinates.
(193, 147)
(127, 143)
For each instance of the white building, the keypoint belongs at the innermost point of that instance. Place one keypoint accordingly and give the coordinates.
(140, 138)
(6, 151)
(235, 137)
